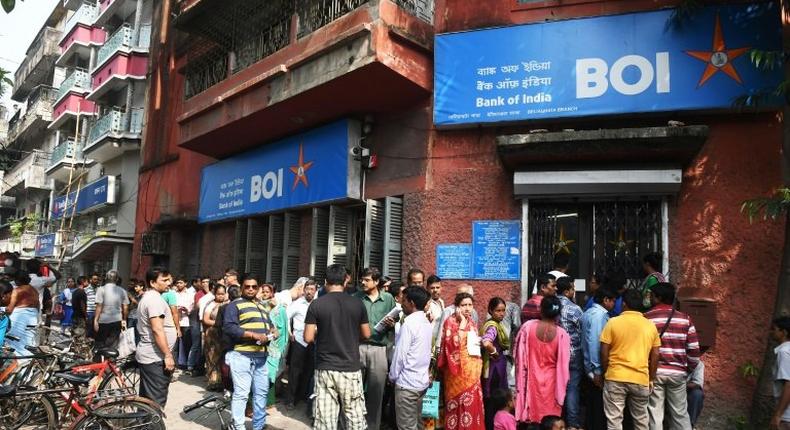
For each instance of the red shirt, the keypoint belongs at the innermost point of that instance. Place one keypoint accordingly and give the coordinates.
(679, 352)
(198, 296)
(531, 309)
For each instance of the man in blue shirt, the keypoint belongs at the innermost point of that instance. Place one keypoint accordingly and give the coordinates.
(570, 320)
(592, 324)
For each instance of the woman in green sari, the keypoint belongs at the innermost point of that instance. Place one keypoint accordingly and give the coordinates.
(495, 342)
(278, 347)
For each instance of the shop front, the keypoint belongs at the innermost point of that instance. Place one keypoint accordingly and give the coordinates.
(617, 136)
(291, 207)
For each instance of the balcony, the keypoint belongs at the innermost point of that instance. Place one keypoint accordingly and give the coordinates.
(120, 60)
(296, 64)
(70, 99)
(121, 9)
(27, 174)
(77, 44)
(79, 82)
(83, 17)
(24, 245)
(72, 4)
(114, 133)
(64, 158)
(33, 123)
(36, 69)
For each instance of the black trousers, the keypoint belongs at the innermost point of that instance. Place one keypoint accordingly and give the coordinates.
(154, 382)
(300, 371)
(182, 347)
(108, 335)
(596, 419)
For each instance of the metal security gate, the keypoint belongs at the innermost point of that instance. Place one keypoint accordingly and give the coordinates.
(600, 237)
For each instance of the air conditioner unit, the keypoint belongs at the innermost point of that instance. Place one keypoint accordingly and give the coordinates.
(155, 243)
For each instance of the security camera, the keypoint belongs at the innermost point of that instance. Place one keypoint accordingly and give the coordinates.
(359, 152)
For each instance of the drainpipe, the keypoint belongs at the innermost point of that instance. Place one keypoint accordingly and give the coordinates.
(129, 100)
(138, 17)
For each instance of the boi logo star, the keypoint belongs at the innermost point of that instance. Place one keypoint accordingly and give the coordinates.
(300, 170)
(719, 58)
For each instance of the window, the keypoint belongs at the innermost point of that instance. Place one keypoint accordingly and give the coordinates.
(356, 236)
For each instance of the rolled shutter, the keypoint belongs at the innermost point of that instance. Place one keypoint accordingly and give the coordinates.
(319, 243)
(339, 239)
(274, 249)
(374, 234)
(393, 235)
(291, 241)
(257, 244)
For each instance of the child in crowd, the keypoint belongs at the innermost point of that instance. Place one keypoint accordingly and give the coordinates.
(552, 422)
(502, 401)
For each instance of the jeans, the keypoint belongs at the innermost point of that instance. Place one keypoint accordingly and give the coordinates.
(572, 404)
(91, 333)
(248, 373)
(195, 357)
(696, 398)
(183, 346)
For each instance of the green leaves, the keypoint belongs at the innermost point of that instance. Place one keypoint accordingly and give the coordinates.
(766, 60)
(5, 79)
(768, 207)
(8, 5)
(683, 12)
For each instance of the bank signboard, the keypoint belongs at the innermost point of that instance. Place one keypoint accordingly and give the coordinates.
(631, 63)
(45, 245)
(306, 169)
(92, 196)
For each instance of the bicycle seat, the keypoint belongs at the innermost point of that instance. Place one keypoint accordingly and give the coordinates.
(7, 391)
(107, 353)
(75, 378)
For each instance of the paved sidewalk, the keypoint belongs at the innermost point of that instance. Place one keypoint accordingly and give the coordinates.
(187, 390)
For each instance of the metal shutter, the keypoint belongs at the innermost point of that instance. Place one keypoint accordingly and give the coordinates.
(274, 249)
(291, 241)
(393, 234)
(319, 244)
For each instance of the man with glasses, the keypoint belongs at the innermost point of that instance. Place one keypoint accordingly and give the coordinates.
(248, 328)
(373, 352)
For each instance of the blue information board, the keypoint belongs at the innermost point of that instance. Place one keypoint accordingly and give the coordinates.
(454, 260)
(304, 169)
(45, 245)
(606, 65)
(496, 250)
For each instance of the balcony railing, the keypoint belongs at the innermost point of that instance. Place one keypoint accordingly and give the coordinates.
(42, 51)
(86, 14)
(246, 37)
(39, 106)
(314, 14)
(69, 149)
(79, 79)
(29, 171)
(123, 38)
(116, 122)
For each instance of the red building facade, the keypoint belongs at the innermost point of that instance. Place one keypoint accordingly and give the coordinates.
(215, 95)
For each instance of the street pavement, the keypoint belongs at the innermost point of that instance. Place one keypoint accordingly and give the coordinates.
(187, 390)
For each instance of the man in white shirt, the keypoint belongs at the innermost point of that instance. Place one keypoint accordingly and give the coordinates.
(780, 332)
(39, 281)
(300, 371)
(185, 302)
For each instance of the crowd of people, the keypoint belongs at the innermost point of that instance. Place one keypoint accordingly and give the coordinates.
(365, 357)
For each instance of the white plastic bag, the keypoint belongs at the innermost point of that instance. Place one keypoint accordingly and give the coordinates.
(126, 345)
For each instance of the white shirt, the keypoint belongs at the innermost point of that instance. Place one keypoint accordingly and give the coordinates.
(698, 375)
(185, 299)
(782, 373)
(296, 313)
(203, 302)
(39, 283)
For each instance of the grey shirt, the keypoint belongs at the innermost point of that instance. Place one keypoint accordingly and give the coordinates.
(112, 298)
(152, 305)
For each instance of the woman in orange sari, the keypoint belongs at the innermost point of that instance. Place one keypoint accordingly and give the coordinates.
(462, 366)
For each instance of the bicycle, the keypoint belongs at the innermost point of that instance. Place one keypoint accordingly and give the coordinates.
(23, 407)
(218, 404)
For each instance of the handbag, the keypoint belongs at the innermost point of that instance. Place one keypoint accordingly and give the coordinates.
(126, 344)
(430, 401)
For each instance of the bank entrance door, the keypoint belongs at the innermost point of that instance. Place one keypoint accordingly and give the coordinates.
(599, 237)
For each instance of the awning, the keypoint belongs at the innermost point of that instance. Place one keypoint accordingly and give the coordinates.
(596, 183)
(99, 247)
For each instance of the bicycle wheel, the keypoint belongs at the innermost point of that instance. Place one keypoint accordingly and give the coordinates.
(132, 413)
(28, 413)
(130, 380)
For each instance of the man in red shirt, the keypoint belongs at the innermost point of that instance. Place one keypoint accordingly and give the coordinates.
(678, 357)
(547, 286)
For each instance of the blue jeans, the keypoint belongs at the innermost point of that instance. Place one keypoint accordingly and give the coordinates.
(572, 393)
(248, 372)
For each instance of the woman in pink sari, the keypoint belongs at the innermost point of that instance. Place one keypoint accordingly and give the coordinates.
(541, 353)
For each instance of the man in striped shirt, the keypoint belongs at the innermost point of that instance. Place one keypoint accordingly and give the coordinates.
(249, 330)
(90, 292)
(678, 356)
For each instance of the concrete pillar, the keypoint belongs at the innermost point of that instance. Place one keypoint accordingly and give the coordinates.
(122, 260)
(138, 17)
